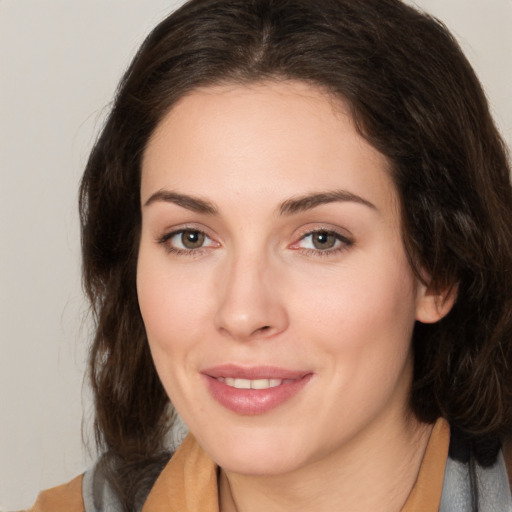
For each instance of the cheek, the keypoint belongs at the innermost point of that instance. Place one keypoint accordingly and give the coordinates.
(170, 309)
(170, 305)
(357, 301)
(361, 318)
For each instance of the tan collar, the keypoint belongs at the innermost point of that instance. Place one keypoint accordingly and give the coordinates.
(426, 493)
(189, 482)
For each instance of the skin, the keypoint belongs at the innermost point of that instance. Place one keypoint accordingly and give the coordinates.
(258, 291)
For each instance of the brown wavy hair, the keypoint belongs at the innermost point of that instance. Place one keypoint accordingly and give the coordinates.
(414, 97)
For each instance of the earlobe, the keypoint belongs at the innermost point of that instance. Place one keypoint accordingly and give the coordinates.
(433, 305)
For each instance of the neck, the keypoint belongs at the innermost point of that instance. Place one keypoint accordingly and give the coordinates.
(376, 472)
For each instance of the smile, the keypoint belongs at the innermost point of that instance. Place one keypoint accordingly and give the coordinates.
(252, 384)
(256, 390)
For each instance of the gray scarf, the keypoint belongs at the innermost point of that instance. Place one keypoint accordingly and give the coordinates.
(493, 488)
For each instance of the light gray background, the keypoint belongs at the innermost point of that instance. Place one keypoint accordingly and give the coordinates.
(59, 64)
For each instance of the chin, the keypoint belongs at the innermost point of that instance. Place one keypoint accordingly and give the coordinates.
(264, 452)
(269, 463)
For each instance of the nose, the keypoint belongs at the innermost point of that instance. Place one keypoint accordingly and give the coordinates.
(250, 304)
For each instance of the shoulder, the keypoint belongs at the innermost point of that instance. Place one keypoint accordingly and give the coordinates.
(465, 479)
(85, 493)
(89, 492)
(64, 498)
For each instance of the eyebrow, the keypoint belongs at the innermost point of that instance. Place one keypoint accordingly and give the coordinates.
(288, 207)
(194, 204)
(309, 201)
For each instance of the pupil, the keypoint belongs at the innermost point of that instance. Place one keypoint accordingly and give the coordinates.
(192, 239)
(323, 240)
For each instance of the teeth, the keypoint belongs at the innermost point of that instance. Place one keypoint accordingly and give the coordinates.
(250, 384)
(242, 384)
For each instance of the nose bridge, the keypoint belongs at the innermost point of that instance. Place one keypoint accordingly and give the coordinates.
(249, 305)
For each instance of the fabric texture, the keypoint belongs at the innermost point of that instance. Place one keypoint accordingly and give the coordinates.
(97, 494)
(493, 488)
(64, 498)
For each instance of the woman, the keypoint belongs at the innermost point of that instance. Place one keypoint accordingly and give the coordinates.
(297, 229)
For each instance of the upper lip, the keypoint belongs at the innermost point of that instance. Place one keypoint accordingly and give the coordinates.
(253, 372)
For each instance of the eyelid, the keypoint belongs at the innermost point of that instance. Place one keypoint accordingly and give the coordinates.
(341, 235)
(170, 233)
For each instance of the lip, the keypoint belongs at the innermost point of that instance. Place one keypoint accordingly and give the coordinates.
(251, 402)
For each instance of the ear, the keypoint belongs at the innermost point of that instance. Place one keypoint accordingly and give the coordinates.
(432, 304)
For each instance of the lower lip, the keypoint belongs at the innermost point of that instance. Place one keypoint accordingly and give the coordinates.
(251, 402)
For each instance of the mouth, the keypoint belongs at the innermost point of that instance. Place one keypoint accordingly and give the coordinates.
(255, 390)
(252, 383)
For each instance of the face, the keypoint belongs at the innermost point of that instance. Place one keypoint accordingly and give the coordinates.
(272, 278)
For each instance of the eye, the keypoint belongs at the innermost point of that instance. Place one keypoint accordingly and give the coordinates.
(186, 241)
(322, 241)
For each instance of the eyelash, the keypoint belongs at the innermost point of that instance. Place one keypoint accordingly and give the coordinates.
(167, 237)
(344, 244)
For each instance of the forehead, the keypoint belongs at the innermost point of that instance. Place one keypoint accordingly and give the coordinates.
(267, 138)
(264, 105)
